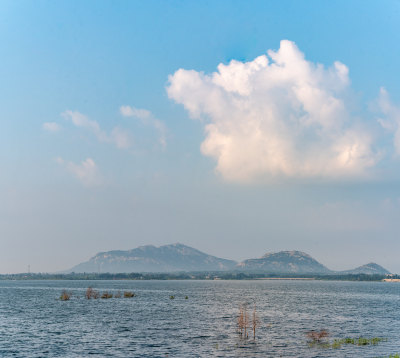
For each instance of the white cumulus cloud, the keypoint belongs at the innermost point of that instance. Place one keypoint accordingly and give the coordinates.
(278, 115)
(86, 172)
(147, 118)
(119, 137)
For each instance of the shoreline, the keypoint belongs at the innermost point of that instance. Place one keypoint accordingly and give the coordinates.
(286, 278)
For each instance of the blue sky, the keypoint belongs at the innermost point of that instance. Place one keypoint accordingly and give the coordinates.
(80, 174)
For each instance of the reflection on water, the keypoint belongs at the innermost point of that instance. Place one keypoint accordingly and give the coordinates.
(34, 323)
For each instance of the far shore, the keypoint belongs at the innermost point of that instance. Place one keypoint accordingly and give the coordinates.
(217, 275)
(391, 280)
(285, 278)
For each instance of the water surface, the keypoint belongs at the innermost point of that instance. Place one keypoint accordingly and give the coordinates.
(34, 323)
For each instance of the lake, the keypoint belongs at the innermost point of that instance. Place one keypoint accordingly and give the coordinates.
(35, 323)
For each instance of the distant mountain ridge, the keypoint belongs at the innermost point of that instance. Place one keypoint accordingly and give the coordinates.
(284, 262)
(369, 269)
(149, 258)
(178, 257)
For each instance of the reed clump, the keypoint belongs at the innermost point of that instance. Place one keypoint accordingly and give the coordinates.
(91, 293)
(129, 294)
(244, 323)
(317, 336)
(65, 295)
(254, 322)
(106, 295)
(319, 339)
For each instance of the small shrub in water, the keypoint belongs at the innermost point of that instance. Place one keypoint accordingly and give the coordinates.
(186, 297)
(65, 296)
(91, 293)
(317, 336)
(129, 294)
(171, 297)
(106, 295)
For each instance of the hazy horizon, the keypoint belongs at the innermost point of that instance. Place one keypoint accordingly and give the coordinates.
(236, 128)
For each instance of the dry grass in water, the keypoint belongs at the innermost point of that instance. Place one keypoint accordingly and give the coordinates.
(91, 293)
(65, 296)
(255, 322)
(317, 336)
(106, 295)
(244, 323)
(129, 294)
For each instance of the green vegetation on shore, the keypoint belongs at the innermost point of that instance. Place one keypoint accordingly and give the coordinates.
(224, 275)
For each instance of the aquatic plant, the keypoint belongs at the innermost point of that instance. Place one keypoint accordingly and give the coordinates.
(338, 343)
(186, 297)
(106, 295)
(373, 341)
(91, 293)
(65, 295)
(317, 336)
(319, 339)
(361, 341)
(243, 321)
(171, 297)
(129, 294)
(240, 320)
(88, 293)
(335, 344)
(255, 321)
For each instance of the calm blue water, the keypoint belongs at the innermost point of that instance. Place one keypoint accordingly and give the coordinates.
(33, 323)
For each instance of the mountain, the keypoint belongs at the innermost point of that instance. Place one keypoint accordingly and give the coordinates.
(284, 262)
(179, 257)
(368, 269)
(149, 258)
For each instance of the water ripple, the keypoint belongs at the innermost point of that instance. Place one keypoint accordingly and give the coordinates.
(34, 323)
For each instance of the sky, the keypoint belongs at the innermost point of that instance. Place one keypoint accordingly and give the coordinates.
(234, 127)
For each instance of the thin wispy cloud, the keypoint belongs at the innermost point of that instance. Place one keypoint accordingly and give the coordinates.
(147, 118)
(51, 127)
(390, 119)
(86, 171)
(279, 115)
(118, 136)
